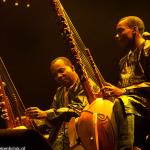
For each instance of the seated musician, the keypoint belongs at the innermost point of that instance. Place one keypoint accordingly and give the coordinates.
(68, 101)
(132, 108)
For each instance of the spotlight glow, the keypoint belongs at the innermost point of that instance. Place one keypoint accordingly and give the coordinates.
(28, 5)
(16, 3)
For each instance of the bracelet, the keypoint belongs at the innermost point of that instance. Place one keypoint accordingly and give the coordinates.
(128, 91)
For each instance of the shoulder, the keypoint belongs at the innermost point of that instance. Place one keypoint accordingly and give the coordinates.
(59, 91)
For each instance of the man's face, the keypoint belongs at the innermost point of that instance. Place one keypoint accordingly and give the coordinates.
(62, 73)
(124, 34)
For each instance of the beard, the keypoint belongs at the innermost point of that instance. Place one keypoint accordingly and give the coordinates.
(125, 44)
(63, 82)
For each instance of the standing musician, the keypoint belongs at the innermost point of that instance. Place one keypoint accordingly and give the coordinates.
(132, 108)
(68, 99)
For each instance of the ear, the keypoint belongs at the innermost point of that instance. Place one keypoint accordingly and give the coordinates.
(73, 68)
(135, 29)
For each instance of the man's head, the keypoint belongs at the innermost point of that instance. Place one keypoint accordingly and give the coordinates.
(63, 71)
(129, 29)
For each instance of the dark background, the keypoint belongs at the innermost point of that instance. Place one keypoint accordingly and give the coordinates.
(29, 40)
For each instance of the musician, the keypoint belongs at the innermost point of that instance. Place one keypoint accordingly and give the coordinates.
(132, 108)
(68, 101)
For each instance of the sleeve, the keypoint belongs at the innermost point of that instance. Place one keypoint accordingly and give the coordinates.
(80, 101)
(145, 62)
(51, 113)
(147, 65)
(144, 90)
(57, 113)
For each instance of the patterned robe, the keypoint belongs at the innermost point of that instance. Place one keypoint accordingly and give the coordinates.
(134, 107)
(74, 98)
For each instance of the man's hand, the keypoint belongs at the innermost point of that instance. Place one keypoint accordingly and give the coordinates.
(35, 113)
(111, 90)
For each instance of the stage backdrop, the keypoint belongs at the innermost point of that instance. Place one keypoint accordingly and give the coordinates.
(29, 40)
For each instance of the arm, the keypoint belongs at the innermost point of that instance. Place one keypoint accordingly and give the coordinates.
(36, 113)
(111, 90)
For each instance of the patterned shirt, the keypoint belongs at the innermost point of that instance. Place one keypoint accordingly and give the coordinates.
(73, 97)
(135, 69)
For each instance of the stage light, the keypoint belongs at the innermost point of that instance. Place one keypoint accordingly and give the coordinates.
(28, 5)
(16, 3)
